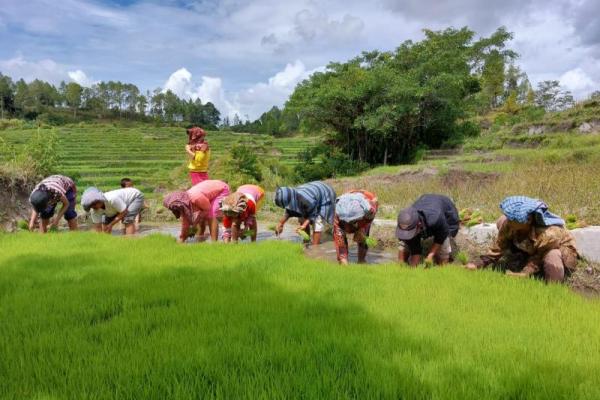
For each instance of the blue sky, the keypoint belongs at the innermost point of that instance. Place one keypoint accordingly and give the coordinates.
(246, 56)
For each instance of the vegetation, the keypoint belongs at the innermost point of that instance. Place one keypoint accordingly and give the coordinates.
(92, 316)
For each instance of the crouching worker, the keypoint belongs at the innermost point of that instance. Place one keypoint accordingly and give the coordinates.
(354, 213)
(241, 207)
(432, 215)
(532, 240)
(46, 196)
(108, 209)
(312, 203)
(197, 205)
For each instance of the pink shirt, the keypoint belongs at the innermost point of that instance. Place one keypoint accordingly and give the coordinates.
(210, 189)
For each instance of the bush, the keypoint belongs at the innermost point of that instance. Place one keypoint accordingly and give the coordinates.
(321, 162)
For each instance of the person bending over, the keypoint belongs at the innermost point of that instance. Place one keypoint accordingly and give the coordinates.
(531, 241)
(354, 213)
(45, 197)
(241, 207)
(432, 215)
(108, 209)
(313, 205)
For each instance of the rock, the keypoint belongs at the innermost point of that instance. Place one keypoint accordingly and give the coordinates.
(384, 222)
(588, 242)
(536, 130)
(586, 127)
(482, 233)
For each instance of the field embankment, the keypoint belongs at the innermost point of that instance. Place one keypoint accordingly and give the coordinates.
(86, 315)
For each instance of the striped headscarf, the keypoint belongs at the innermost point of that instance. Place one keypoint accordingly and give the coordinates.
(519, 208)
(180, 204)
(318, 196)
(235, 203)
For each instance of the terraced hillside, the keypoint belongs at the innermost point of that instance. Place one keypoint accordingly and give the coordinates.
(102, 155)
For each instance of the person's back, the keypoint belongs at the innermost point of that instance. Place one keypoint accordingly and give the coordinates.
(435, 206)
(210, 189)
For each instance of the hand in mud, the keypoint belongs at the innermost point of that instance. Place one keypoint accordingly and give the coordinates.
(54, 224)
(429, 262)
(343, 261)
(279, 229)
(471, 266)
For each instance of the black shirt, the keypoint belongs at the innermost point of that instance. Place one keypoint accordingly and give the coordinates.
(439, 218)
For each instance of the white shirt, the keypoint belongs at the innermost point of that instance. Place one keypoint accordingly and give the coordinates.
(116, 202)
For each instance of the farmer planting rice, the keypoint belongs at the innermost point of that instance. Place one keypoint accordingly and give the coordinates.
(432, 215)
(196, 205)
(312, 203)
(532, 241)
(354, 213)
(107, 209)
(199, 153)
(45, 197)
(241, 207)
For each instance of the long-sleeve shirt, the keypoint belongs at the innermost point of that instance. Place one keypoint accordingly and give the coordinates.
(535, 244)
(361, 226)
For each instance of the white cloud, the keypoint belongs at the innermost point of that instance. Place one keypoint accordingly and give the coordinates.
(252, 101)
(577, 81)
(209, 90)
(81, 78)
(46, 69)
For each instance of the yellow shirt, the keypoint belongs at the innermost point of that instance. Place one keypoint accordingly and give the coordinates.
(200, 161)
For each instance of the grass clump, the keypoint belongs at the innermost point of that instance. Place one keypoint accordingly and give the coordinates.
(92, 316)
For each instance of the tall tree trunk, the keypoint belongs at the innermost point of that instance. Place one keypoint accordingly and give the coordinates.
(385, 154)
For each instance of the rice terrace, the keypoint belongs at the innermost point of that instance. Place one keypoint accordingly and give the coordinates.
(326, 201)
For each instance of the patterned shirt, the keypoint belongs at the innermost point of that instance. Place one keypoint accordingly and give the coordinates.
(57, 186)
(359, 228)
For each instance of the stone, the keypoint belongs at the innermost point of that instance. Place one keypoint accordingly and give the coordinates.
(588, 242)
(536, 130)
(586, 127)
(482, 233)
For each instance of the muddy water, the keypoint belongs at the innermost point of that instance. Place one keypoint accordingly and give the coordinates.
(325, 251)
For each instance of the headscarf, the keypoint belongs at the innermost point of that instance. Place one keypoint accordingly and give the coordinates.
(318, 196)
(519, 208)
(196, 137)
(90, 196)
(180, 204)
(352, 207)
(235, 203)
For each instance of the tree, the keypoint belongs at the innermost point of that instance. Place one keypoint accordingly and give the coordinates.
(382, 107)
(492, 78)
(73, 93)
(7, 96)
(550, 96)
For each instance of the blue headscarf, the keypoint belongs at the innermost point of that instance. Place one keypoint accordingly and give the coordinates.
(519, 208)
(318, 196)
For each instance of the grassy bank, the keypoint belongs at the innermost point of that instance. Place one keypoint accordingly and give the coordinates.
(88, 316)
(561, 168)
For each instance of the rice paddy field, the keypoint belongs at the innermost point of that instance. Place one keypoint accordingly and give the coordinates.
(85, 315)
(153, 157)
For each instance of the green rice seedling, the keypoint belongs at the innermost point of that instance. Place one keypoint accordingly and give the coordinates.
(129, 319)
(462, 258)
(248, 233)
(371, 242)
(23, 225)
(192, 231)
(305, 236)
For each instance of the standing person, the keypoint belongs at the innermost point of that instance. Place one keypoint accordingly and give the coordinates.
(533, 240)
(199, 154)
(197, 204)
(107, 209)
(45, 197)
(312, 203)
(241, 207)
(432, 215)
(354, 213)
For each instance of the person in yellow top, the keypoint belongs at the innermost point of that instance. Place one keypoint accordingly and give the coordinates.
(199, 152)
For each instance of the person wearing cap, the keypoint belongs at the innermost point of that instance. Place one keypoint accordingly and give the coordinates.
(432, 215)
(45, 197)
(196, 205)
(354, 213)
(241, 207)
(107, 209)
(312, 203)
(532, 241)
(199, 154)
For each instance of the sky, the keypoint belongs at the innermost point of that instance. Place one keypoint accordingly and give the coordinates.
(246, 56)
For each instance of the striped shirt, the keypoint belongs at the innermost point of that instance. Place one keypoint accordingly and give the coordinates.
(57, 186)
